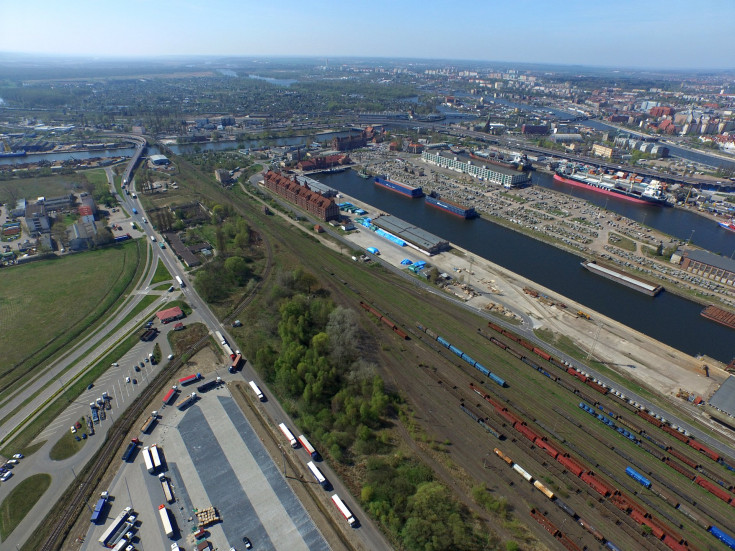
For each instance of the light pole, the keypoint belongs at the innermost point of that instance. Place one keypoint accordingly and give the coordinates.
(689, 241)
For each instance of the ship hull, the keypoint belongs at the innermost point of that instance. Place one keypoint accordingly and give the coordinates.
(619, 193)
(727, 225)
(454, 210)
(406, 191)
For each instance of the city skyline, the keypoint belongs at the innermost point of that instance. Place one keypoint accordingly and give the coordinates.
(656, 34)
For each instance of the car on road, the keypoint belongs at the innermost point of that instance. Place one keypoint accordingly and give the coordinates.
(6, 476)
(90, 386)
(247, 543)
(171, 289)
(142, 364)
(13, 461)
(170, 356)
(137, 368)
(127, 379)
(135, 381)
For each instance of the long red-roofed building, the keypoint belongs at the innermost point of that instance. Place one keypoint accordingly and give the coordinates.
(312, 202)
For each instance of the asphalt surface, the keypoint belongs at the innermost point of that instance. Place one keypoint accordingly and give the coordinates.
(122, 393)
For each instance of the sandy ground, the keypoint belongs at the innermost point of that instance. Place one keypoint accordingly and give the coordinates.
(656, 365)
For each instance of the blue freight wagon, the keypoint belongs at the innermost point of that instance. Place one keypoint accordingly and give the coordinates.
(635, 475)
(722, 536)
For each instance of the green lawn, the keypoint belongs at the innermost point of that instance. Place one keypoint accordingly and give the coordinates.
(162, 273)
(97, 176)
(45, 304)
(20, 501)
(31, 188)
(68, 445)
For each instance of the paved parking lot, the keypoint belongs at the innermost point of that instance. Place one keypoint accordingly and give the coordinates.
(212, 457)
(112, 382)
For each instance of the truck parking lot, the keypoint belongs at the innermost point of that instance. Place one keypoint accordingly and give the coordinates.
(211, 456)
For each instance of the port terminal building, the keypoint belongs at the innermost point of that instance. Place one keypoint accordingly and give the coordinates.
(706, 265)
(506, 177)
(414, 237)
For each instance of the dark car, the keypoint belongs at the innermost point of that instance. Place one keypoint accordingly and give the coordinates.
(247, 543)
(89, 386)
(84, 436)
(135, 381)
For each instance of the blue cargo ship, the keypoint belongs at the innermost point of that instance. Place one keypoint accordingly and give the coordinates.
(403, 189)
(449, 206)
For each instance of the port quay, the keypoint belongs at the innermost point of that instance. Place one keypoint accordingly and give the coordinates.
(671, 319)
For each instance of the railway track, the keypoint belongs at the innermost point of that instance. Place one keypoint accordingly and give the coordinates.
(69, 507)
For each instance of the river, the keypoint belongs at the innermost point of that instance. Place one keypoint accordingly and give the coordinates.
(667, 317)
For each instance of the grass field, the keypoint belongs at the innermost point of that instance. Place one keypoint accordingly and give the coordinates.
(20, 501)
(31, 188)
(162, 273)
(68, 445)
(45, 304)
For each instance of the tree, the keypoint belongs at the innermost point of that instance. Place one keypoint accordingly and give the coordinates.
(237, 269)
(342, 329)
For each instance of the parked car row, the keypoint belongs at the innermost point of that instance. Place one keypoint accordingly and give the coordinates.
(5, 470)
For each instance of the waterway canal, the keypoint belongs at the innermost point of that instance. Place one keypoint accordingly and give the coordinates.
(667, 317)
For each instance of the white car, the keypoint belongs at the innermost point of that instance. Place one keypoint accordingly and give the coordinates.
(170, 356)
(73, 429)
(18, 456)
(6, 476)
(127, 379)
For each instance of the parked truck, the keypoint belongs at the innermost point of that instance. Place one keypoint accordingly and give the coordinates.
(165, 521)
(98, 511)
(155, 456)
(166, 488)
(129, 451)
(184, 402)
(107, 538)
(170, 395)
(149, 423)
(190, 379)
(147, 459)
(209, 385)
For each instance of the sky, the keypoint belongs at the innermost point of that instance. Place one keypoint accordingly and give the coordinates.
(666, 34)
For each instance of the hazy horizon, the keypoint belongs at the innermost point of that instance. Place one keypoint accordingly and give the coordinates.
(658, 34)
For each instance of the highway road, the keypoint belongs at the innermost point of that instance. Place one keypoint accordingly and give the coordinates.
(113, 382)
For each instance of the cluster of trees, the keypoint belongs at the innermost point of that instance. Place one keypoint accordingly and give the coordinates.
(315, 367)
(231, 268)
(419, 512)
(339, 399)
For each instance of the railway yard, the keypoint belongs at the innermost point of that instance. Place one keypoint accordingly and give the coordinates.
(542, 416)
(488, 409)
(571, 438)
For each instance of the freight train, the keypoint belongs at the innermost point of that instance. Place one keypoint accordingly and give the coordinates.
(390, 323)
(477, 365)
(615, 496)
(556, 501)
(658, 421)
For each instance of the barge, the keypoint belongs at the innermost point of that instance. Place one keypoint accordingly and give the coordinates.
(624, 279)
(718, 315)
(451, 207)
(398, 187)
